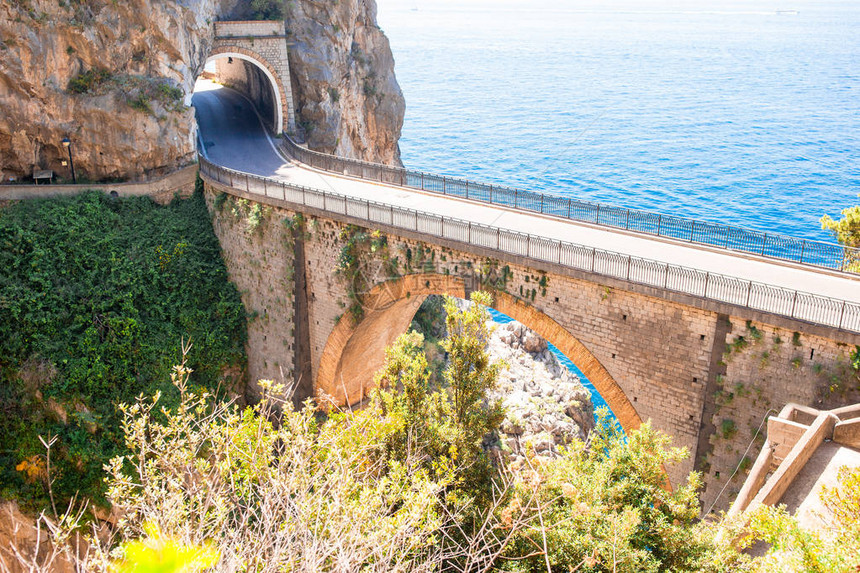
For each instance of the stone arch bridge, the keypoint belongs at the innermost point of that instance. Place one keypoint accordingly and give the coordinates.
(703, 334)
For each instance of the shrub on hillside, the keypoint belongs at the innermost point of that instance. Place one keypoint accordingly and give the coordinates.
(96, 295)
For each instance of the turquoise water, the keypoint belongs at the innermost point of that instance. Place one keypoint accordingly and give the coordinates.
(741, 112)
(745, 113)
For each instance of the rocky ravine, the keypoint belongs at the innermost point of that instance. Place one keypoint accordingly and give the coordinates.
(127, 118)
(546, 406)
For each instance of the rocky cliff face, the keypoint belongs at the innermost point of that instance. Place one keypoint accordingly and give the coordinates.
(347, 99)
(111, 76)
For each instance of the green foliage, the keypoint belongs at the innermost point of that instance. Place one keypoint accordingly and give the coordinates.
(738, 344)
(836, 550)
(728, 429)
(267, 9)
(156, 553)
(447, 425)
(855, 362)
(89, 81)
(470, 374)
(360, 243)
(96, 295)
(755, 333)
(605, 508)
(298, 495)
(170, 93)
(847, 229)
(141, 103)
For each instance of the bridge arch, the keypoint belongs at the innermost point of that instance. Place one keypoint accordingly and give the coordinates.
(282, 107)
(354, 350)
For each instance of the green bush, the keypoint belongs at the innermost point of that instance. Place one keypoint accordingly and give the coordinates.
(89, 81)
(267, 10)
(605, 507)
(96, 295)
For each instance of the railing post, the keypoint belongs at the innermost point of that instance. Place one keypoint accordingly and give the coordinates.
(469, 232)
(707, 280)
(593, 256)
(659, 225)
(793, 304)
(516, 198)
(467, 189)
(627, 220)
(763, 243)
(629, 262)
(444, 186)
(422, 181)
(692, 231)
(597, 216)
(542, 196)
(842, 314)
(803, 249)
(491, 193)
(666, 278)
(749, 292)
(568, 208)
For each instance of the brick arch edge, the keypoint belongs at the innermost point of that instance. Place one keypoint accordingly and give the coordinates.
(270, 72)
(390, 297)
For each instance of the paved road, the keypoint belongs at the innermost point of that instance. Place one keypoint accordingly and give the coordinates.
(234, 137)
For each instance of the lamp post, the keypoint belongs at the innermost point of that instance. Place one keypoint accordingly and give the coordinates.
(67, 143)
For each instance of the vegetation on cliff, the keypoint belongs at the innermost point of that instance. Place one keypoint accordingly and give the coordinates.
(96, 295)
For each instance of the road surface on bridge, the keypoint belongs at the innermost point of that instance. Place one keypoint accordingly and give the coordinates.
(233, 136)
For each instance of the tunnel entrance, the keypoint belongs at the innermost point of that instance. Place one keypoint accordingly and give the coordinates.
(241, 73)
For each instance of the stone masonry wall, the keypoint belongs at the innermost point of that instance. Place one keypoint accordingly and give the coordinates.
(259, 259)
(763, 368)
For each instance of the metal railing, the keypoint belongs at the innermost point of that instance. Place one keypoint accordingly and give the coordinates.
(803, 306)
(816, 253)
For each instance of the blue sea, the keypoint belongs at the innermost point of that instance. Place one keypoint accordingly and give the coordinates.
(740, 112)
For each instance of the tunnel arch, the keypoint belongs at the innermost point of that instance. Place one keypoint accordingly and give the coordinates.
(355, 349)
(281, 108)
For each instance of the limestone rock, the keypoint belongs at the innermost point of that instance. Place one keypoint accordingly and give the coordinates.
(347, 99)
(131, 123)
(122, 128)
